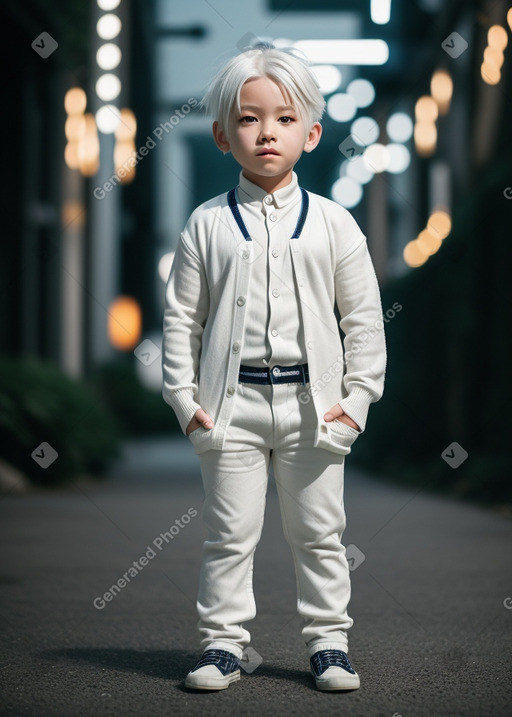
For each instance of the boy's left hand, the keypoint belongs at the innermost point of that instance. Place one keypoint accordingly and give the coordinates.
(337, 412)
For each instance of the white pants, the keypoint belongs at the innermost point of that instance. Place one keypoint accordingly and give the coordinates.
(309, 482)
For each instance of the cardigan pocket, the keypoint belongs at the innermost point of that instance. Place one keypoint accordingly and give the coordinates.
(342, 435)
(200, 433)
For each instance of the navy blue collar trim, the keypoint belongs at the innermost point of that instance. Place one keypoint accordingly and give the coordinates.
(233, 205)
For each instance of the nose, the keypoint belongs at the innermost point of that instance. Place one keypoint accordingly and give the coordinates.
(267, 132)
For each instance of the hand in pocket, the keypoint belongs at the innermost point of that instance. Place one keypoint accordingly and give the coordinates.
(201, 418)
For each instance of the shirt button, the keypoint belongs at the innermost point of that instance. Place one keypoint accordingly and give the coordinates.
(274, 332)
(236, 347)
(310, 344)
(268, 199)
(241, 300)
(272, 217)
(245, 254)
(231, 390)
(275, 292)
(275, 252)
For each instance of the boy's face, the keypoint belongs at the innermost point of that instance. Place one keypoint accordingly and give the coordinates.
(268, 136)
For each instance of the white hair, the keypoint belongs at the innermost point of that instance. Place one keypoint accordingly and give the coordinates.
(288, 71)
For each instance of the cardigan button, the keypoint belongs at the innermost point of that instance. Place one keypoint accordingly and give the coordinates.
(236, 347)
(241, 300)
(231, 390)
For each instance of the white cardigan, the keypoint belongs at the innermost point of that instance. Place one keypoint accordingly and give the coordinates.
(205, 309)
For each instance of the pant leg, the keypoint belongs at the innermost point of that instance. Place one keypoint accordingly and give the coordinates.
(310, 484)
(235, 484)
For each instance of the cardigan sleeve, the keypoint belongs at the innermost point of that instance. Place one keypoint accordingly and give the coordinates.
(359, 303)
(186, 311)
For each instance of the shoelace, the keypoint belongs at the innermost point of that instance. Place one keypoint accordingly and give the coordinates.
(224, 660)
(323, 659)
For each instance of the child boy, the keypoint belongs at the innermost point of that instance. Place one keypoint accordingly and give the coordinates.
(255, 368)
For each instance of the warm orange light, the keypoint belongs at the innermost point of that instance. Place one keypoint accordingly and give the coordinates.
(425, 138)
(441, 87)
(124, 161)
(490, 74)
(427, 243)
(509, 18)
(75, 101)
(124, 323)
(74, 128)
(71, 155)
(426, 109)
(439, 224)
(493, 57)
(497, 37)
(89, 148)
(127, 126)
(413, 254)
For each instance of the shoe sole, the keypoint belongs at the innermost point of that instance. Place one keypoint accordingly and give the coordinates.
(212, 684)
(333, 685)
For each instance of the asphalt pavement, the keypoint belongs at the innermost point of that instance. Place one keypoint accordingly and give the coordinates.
(431, 601)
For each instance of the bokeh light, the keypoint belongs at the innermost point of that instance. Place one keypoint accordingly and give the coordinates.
(399, 127)
(426, 109)
(124, 323)
(341, 107)
(414, 255)
(365, 130)
(108, 27)
(441, 88)
(347, 192)
(75, 101)
(108, 56)
(399, 158)
(376, 157)
(328, 77)
(108, 87)
(362, 91)
(497, 37)
(108, 118)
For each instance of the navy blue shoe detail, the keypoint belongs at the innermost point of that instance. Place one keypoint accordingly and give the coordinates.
(223, 660)
(323, 659)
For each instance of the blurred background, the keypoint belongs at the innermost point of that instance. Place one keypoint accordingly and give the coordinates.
(105, 155)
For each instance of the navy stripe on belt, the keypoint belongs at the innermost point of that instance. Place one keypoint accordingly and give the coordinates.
(277, 374)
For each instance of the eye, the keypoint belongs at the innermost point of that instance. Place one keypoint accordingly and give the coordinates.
(247, 119)
(286, 120)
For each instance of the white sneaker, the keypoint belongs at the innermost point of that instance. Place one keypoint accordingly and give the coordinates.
(333, 671)
(216, 670)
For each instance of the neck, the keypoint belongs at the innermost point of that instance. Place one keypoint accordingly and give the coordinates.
(269, 184)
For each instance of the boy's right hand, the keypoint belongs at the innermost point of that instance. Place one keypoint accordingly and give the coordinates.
(201, 418)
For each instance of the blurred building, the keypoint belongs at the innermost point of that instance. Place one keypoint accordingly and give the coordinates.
(413, 116)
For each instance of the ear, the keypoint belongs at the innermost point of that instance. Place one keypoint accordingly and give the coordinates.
(220, 138)
(313, 137)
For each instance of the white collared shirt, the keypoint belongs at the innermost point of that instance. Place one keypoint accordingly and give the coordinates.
(274, 333)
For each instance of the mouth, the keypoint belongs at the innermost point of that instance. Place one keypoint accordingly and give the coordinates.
(267, 152)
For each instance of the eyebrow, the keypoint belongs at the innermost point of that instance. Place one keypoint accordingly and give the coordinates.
(281, 108)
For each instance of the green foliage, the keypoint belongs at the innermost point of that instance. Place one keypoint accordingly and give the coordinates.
(39, 403)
